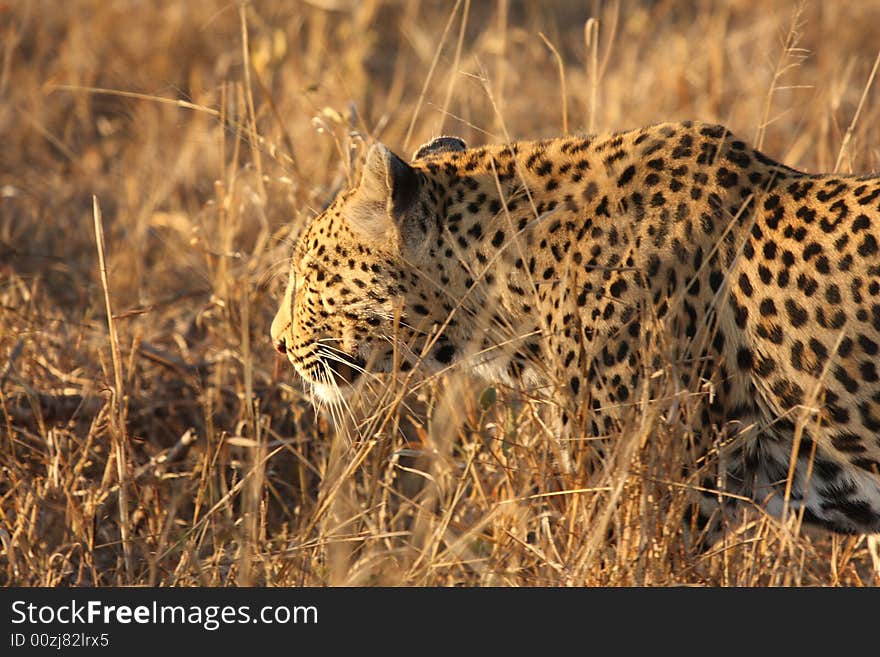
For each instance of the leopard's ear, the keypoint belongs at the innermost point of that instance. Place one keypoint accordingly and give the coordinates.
(439, 145)
(388, 190)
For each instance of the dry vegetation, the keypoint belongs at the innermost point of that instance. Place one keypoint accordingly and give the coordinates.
(177, 449)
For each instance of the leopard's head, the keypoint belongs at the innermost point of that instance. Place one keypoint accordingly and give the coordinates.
(357, 298)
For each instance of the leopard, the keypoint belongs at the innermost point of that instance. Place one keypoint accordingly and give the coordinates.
(551, 264)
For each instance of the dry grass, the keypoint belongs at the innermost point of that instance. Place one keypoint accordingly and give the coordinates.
(176, 450)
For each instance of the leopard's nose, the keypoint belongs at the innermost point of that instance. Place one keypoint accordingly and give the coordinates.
(280, 346)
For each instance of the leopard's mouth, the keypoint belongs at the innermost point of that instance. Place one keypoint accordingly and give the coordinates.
(331, 376)
(322, 365)
(340, 369)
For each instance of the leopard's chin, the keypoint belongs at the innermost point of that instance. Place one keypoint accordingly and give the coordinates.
(331, 393)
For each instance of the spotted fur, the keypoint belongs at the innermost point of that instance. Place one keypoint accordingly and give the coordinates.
(555, 264)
